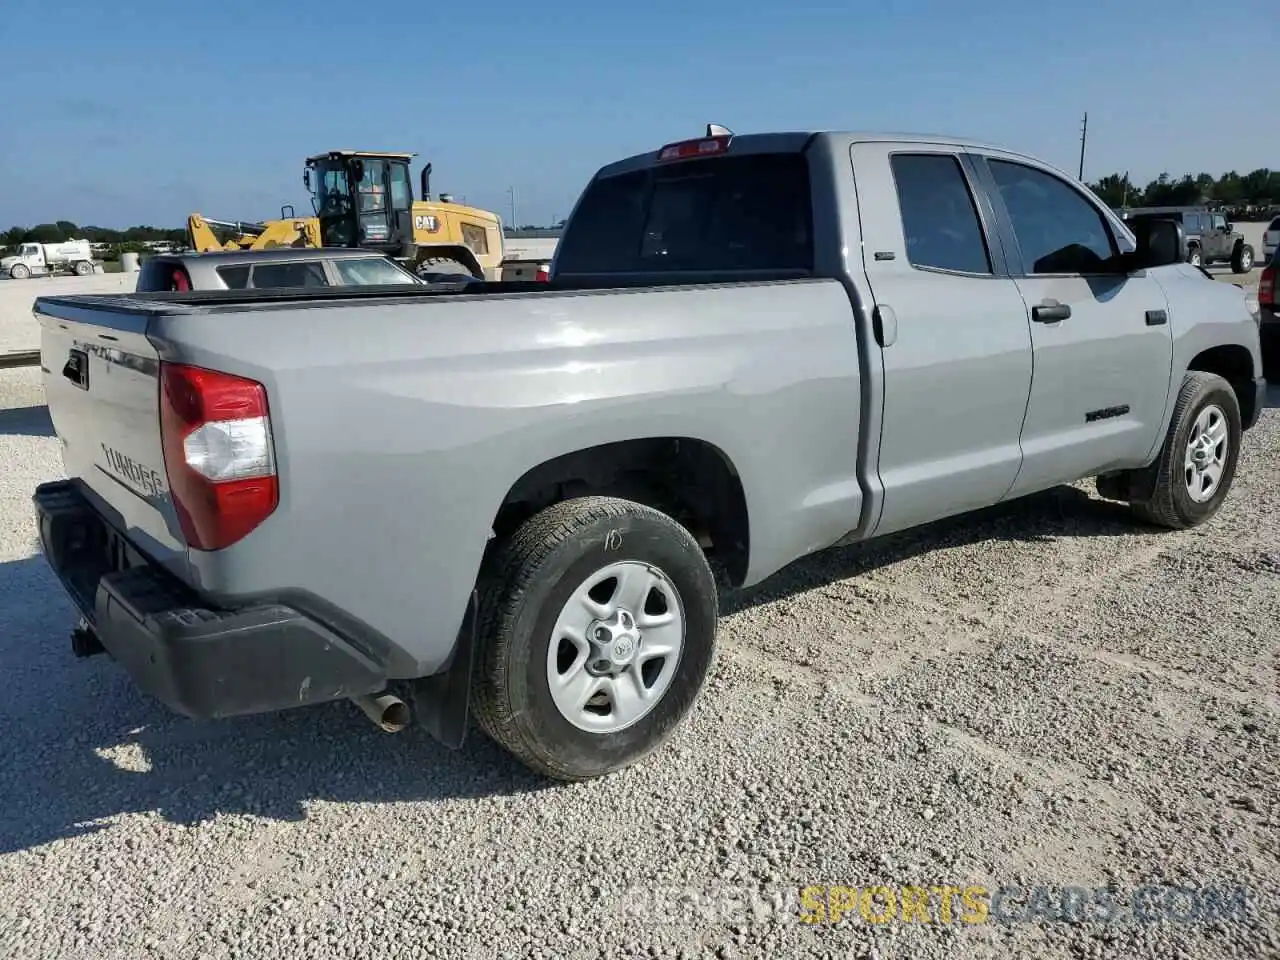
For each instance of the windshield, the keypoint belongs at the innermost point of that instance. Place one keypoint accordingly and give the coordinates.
(330, 189)
(363, 215)
(371, 271)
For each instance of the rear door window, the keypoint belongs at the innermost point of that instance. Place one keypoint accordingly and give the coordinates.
(939, 220)
(751, 212)
(300, 273)
(236, 278)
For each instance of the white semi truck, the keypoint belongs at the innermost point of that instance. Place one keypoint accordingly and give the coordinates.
(41, 259)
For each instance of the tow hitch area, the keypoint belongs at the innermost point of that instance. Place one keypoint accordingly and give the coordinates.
(84, 642)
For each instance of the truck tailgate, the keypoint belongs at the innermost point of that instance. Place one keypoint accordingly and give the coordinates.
(101, 378)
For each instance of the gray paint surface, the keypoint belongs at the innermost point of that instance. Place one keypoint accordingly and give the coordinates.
(400, 424)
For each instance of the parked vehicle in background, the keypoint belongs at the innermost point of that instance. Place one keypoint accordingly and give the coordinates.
(1269, 309)
(46, 259)
(508, 500)
(271, 269)
(1209, 236)
(1271, 240)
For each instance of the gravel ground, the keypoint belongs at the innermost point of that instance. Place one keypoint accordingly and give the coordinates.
(1040, 695)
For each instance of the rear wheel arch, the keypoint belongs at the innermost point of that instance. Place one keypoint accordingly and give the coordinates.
(693, 481)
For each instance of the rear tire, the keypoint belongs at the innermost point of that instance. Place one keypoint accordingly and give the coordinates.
(1204, 434)
(83, 268)
(1242, 258)
(1194, 258)
(534, 587)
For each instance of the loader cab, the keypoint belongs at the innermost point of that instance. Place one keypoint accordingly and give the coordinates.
(362, 200)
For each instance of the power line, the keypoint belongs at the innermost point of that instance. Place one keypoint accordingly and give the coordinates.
(1084, 134)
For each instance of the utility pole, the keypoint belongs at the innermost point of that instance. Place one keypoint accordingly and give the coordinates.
(512, 191)
(1084, 134)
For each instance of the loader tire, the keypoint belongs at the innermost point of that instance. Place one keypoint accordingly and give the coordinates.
(445, 270)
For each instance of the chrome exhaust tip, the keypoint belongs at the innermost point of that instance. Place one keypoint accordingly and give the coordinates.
(388, 711)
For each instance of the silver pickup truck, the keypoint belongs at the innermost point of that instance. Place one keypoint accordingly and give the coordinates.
(507, 501)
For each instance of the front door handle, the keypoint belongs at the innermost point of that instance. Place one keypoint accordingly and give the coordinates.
(1051, 311)
(1156, 317)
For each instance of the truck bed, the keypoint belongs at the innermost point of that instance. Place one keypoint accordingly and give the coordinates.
(402, 418)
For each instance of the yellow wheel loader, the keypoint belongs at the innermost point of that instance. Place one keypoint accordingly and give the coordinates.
(365, 199)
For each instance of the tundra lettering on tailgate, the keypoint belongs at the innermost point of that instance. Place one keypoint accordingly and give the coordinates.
(136, 476)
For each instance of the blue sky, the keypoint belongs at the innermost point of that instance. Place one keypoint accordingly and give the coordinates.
(115, 118)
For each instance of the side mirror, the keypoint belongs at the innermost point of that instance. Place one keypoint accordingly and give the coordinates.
(1160, 242)
(306, 179)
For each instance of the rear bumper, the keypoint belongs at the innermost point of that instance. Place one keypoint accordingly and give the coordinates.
(199, 660)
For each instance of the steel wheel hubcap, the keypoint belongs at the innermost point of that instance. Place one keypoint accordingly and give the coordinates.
(615, 647)
(1207, 448)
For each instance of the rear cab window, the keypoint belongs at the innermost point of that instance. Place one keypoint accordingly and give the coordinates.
(752, 212)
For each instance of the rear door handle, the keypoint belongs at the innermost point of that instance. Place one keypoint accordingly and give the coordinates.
(885, 323)
(1156, 317)
(1050, 312)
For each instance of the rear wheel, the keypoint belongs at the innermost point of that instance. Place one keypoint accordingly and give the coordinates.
(20, 271)
(1197, 463)
(1242, 258)
(597, 626)
(1194, 258)
(83, 268)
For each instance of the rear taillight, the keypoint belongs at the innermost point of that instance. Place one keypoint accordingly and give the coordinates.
(1267, 287)
(544, 273)
(218, 455)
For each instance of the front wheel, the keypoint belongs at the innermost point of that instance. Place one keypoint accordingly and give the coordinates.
(597, 628)
(1197, 463)
(20, 271)
(1242, 259)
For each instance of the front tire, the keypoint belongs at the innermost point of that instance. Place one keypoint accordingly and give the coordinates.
(20, 271)
(1197, 463)
(1242, 258)
(597, 627)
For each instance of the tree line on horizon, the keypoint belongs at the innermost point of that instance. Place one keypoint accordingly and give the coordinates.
(1241, 194)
